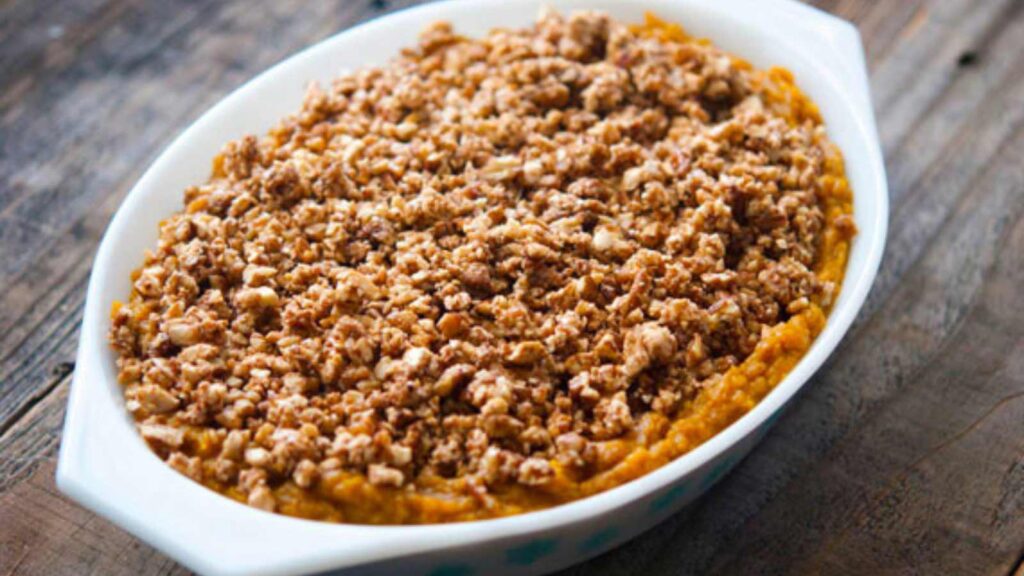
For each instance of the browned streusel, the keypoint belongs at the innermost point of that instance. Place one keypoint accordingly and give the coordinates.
(482, 261)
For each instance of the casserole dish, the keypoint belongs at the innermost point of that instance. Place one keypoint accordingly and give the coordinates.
(107, 467)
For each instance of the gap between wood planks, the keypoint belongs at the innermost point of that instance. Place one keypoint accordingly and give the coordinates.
(63, 370)
(35, 436)
(1018, 570)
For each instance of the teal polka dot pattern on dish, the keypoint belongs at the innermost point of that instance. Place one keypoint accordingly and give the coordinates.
(763, 431)
(717, 472)
(453, 570)
(668, 498)
(598, 540)
(531, 552)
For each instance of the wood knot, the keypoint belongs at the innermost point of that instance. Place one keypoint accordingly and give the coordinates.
(967, 58)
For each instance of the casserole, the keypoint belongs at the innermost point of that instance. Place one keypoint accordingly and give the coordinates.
(107, 467)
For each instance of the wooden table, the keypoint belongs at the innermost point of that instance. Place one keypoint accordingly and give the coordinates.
(904, 455)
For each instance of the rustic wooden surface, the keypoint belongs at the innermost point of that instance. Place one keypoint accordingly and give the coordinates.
(904, 455)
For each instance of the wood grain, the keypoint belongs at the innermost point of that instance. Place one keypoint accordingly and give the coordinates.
(905, 455)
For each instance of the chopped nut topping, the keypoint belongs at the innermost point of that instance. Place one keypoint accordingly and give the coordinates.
(261, 497)
(380, 475)
(154, 399)
(481, 262)
(160, 435)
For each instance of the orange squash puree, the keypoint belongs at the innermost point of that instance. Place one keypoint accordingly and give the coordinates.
(349, 497)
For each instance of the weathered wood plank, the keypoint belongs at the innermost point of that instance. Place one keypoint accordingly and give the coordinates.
(962, 129)
(906, 454)
(35, 437)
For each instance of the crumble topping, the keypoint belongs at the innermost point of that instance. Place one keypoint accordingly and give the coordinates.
(485, 261)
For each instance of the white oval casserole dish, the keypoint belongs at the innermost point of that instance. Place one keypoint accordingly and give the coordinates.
(105, 465)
